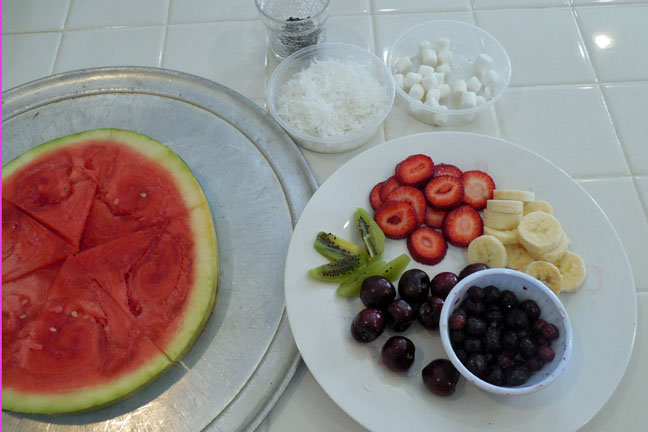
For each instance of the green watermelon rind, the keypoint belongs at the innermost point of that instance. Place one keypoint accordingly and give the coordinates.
(202, 297)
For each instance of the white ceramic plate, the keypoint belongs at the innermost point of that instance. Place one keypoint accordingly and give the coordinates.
(603, 311)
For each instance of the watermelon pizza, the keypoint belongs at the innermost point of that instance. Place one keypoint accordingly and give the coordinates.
(109, 269)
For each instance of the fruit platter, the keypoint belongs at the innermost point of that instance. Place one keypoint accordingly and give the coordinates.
(361, 370)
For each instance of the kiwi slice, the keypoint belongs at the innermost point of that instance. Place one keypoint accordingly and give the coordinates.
(340, 270)
(334, 247)
(394, 268)
(351, 287)
(372, 236)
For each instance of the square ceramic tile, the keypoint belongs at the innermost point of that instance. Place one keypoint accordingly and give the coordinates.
(619, 200)
(604, 2)
(544, 45)
(642, 187)
(110, 47)
(345, 7)
(500, 4)
(390, 6)
(387, 28)
(627, 407)
(233, 54)
(33, 15)
(568, 125)
(617, 40)
(26, 57)
(626, 102)
(191, 11)
(101, 13)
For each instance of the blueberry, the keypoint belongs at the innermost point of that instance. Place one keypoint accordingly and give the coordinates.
(527, 347)
(508, 300)
(475, 326)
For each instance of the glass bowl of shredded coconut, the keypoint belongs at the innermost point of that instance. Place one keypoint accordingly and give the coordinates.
(331, 97)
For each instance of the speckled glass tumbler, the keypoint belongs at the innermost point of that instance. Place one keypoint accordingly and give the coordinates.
(293, 24)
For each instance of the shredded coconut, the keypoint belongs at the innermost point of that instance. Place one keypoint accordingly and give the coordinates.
(332, 98)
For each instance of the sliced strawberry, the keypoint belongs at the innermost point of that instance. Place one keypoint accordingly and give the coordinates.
(397, 219)
(478, 188)
(462, 225)
(415, 171)
(444, 192)
(427, 246)
(447, 169)
(413, 197)
(434, 218)
(374, 196)
(388, 185)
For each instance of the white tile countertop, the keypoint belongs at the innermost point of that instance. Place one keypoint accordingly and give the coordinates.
(577, 97)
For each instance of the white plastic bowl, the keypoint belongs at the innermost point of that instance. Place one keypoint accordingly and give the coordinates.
(301, 60)
(466, 43)
(525, 287)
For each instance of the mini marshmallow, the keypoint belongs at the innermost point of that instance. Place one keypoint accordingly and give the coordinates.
(403, 65)
(416, 107)
(429, 57)
(443, 44)
(444, 69)
(432, 102)
(446, 57)
(490, 78)
(411, 79)
(440, 77)
(424, 45)
(425, 70)
(474, 85)
(459, 86)
(480, 100)
(430, 82)
(400, 80)
(468, 99)
(417, 92)
(482, 63)
(444, 91)
(433, 94)
(440, 119)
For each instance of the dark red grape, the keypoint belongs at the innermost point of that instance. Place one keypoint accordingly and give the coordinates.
(442, 283)
(537, 325)
(367, 325)
(377, 292)
(471, 268)
(400, 315)
(545, 353)
(429, 312)
(457, 321)
(530, 308)
(440, 377)
(534, 363)
(398, 353)
(549, 332)
(414, 286)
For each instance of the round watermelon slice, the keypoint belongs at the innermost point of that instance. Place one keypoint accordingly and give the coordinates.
(110, 269)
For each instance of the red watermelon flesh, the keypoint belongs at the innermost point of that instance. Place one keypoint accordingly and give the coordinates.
(56, 190)
(81, 336)
(26, 244)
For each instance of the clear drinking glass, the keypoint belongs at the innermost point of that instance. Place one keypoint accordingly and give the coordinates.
(293, 24)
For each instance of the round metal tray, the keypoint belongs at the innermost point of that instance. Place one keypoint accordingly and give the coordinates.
(257, 183)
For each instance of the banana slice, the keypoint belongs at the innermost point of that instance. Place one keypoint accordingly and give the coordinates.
(503, 221)
(554, 254)
(517, 257)
(539, 232)
(572, 267)
(516, 195)
(542, 206)
(505, 236)
(546, 273)
(488, 250)
(505, 206)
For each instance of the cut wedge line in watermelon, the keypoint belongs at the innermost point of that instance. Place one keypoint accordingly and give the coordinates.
(139, 278)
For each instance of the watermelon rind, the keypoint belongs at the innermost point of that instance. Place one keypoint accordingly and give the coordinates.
(200, 303)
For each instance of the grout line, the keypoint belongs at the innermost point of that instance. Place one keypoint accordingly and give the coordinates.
(60, 42)
(643, 203)
(164, 35)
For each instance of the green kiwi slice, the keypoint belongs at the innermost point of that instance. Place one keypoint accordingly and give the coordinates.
(340, 270)
(334, 247)
(394, 268)
(351, 287)
(372, 236)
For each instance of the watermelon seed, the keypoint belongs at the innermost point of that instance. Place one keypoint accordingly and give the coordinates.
(143, 194)
(53, 329)
(24, 302)
(74, 314)
(23, 316)
(116, 201)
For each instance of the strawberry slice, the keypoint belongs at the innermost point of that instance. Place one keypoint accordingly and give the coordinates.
(462, 225)
(447, 169)
(397, 219)
(374, 196)
(433, 217)
(415, 171)
(478, 188)
(388, 185)
(444, 192)
(427, 246)
(413, 197)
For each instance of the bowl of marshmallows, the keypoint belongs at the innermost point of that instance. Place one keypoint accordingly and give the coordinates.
(446, 73)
